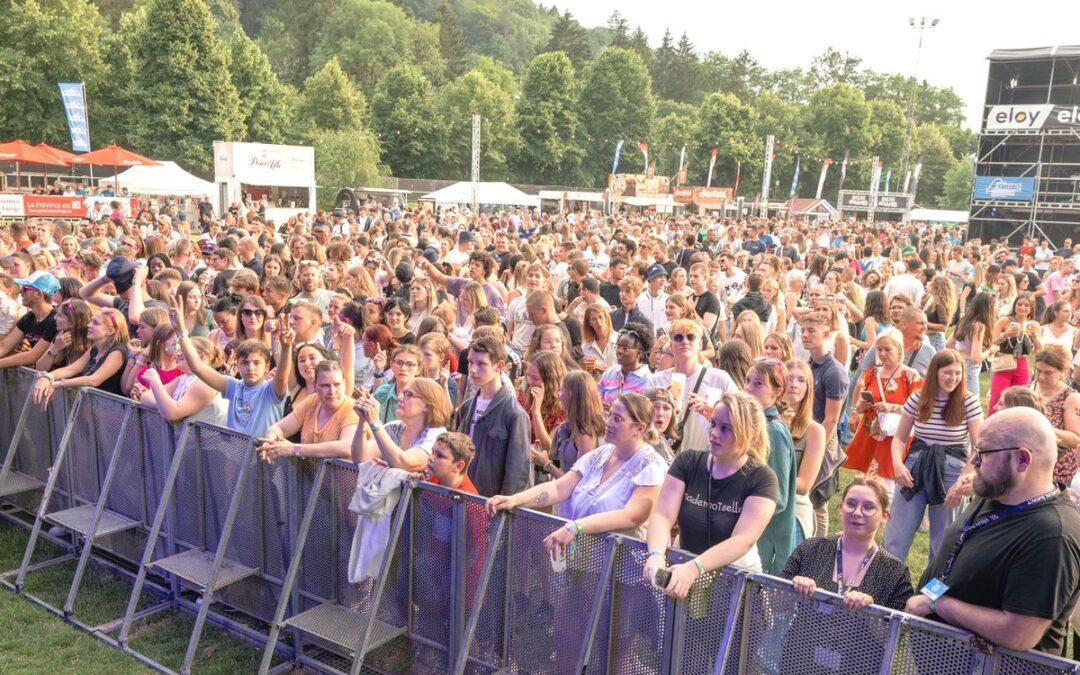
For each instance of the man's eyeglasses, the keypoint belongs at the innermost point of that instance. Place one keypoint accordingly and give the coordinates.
(980, 453)
(684, 337)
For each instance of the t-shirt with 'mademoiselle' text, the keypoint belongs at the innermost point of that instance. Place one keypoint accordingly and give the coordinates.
(711, 507)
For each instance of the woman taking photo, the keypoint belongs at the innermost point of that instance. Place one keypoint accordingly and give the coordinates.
(941, 420)
(629, 374)
(326, 421)
(766, 382)
(850, 563)
(879, 396)
(581, 431)
(101, 366)
(972, 337)
(808, 440)
(612, 489)
(423, 411)
(721, 499)
(1016, 336)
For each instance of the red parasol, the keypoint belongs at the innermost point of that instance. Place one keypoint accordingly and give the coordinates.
(20, 151)
(116, 157)
(62, 155)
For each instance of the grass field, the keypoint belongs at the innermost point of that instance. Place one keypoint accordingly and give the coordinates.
(33, 640)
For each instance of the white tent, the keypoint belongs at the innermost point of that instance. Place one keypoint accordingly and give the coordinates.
(938, 216)
(165, 179)
(486, 193)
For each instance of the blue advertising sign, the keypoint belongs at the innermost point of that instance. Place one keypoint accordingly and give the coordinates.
(1006, 188)
(78, 120)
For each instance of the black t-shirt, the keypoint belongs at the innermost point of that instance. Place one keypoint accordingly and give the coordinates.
(1027, 563)
(725, 498)
(610, 293)
(221, 283)
(707, 302)
(34, 330)
(112, 383)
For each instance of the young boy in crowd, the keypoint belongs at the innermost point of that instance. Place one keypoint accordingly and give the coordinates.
(497, 424)
(450, 459)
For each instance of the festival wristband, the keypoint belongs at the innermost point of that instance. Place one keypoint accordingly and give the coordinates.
(700, 567)
(296, 449)
(375, 427)
(652, 553)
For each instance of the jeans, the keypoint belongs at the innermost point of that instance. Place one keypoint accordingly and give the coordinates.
(907, 514)
(937, 341)
(972, 371)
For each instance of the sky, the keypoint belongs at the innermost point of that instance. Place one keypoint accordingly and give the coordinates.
(789, 34)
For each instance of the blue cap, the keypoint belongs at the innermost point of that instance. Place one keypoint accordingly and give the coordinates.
(41, 281)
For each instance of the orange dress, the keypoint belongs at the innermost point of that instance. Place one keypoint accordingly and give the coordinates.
(865, 447)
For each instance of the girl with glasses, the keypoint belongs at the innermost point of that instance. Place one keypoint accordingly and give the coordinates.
(160, 356)
(187, 396)
(849, 563)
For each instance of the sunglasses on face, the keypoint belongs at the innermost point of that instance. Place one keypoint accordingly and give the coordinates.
(684, 337)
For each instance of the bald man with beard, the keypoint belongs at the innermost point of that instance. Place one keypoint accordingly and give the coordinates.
(1011, 563)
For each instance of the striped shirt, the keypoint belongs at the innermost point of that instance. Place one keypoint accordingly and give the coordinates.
(935, 431)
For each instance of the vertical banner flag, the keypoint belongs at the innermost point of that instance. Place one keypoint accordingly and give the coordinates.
(907, 181)
(738, 177)
(875, 183)
(821, 178)
(888, 179)
(766, 177)
(78, 122)
(795, 178)
(644, 147)
(682, 158)
(843, 174)
(915, 175)
(618, 151)
(712, 165)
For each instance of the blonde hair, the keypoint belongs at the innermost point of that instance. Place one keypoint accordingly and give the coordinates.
(747, 424)
(748, 328)
(799, 415)
(587, 331)
(438, 404)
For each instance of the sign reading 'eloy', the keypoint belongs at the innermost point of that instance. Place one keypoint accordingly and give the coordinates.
(1032, 117)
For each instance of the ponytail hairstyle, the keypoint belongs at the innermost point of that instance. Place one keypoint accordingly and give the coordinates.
(775, 373)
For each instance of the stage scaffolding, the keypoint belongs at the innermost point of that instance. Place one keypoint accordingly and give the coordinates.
(1047, 154)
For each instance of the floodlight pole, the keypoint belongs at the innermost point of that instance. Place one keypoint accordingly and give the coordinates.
(475, 161)
(921, 24)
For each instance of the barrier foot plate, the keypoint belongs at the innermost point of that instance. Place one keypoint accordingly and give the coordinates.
(194, 566)
(79, 519)
(341, 626)
(19, 482)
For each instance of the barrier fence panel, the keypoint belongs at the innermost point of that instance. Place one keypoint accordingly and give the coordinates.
(460, 591)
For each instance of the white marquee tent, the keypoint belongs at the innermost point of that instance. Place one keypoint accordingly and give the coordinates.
(500, 194)
(165, 179)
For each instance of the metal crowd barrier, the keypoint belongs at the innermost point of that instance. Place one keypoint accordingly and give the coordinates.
(192, 517)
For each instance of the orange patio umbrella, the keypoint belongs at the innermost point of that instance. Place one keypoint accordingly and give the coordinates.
(19, 151)
(62, 155)
(116, 157)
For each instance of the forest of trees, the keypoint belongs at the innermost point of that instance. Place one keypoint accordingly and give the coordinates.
(389, 88)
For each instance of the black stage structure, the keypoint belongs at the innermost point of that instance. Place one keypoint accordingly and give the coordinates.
(1027, 170)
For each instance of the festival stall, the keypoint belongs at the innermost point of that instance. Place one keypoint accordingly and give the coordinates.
(493, 194)
(283, 175)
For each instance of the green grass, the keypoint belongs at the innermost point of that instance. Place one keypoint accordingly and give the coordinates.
(33, 640)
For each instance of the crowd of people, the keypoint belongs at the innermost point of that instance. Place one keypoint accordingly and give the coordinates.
(702, 383)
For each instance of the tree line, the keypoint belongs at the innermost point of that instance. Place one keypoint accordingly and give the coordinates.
(390, 88)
